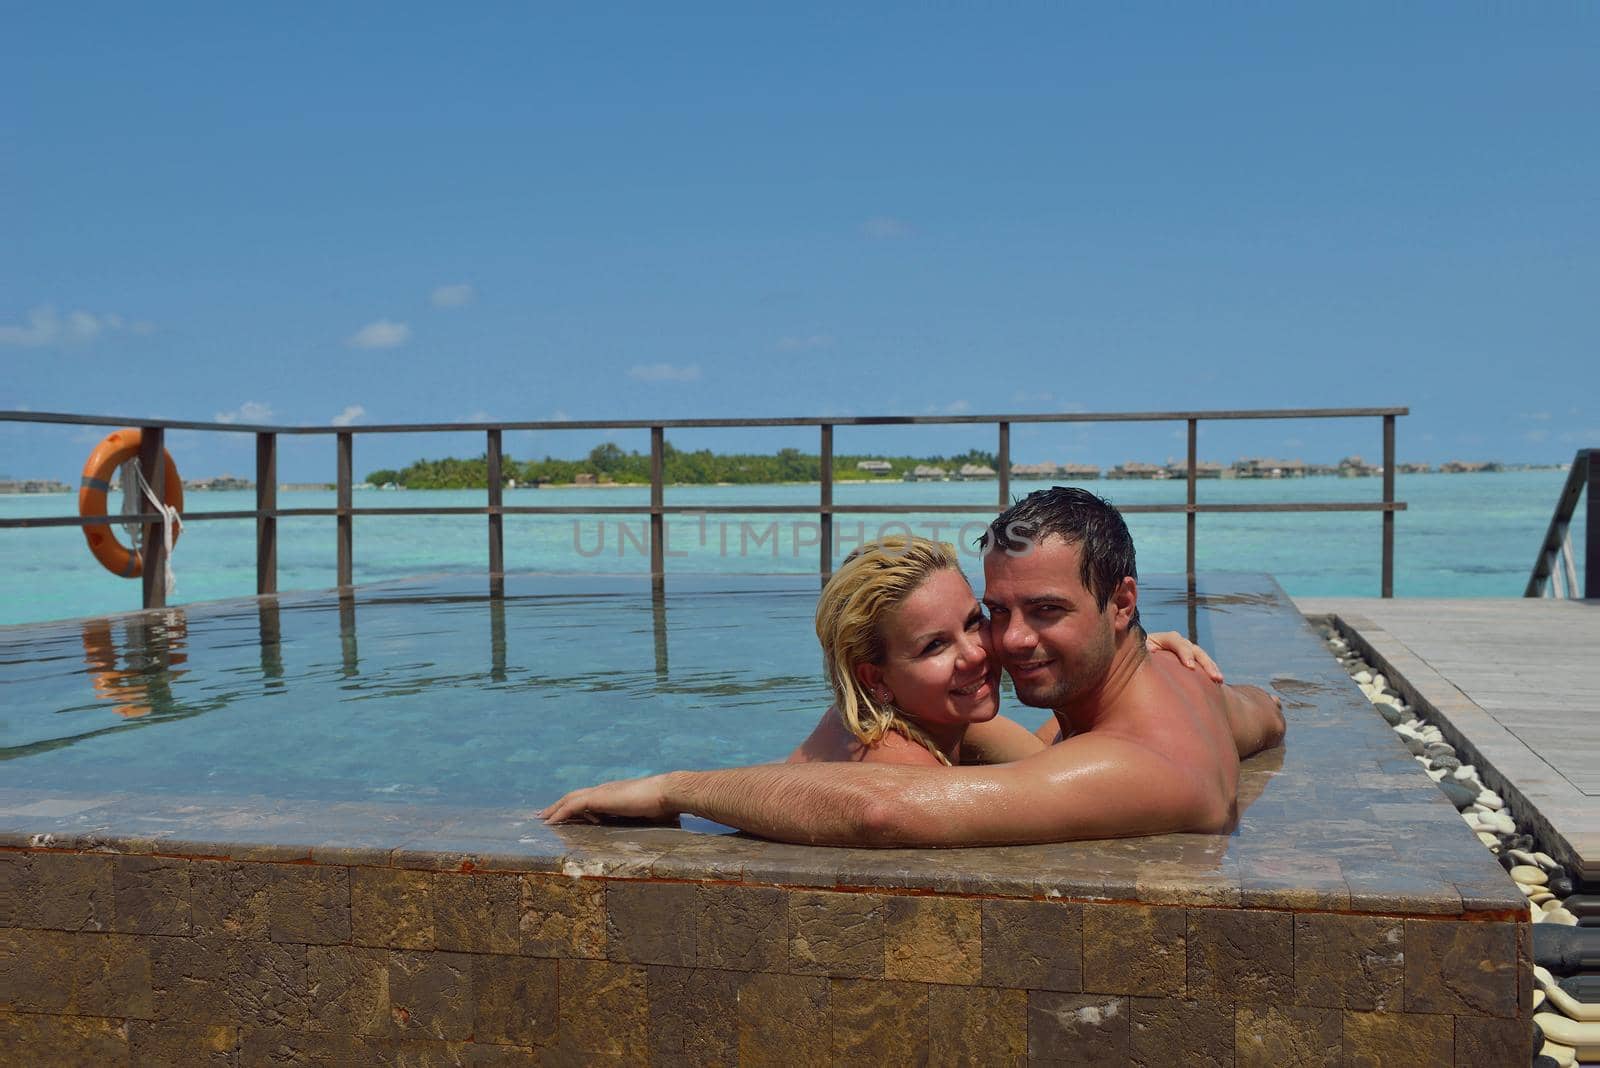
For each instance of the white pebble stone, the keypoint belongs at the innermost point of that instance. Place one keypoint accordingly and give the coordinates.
(1529, 874)
(1587, 1012)
(1379, 681)
(1488, 839)
(1550, 904)
(1465, 772)
(1545, 861)
(1538, 998)
(1564, 1056)
(1492, 799)
(1521, 856)
(1567, 1032)
(1474, 820)
(1534, 914)
(1539, 896)
(1566, 919)
(1434, 775)
(1363, 677)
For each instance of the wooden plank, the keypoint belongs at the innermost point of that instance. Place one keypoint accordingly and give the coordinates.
(152, 464)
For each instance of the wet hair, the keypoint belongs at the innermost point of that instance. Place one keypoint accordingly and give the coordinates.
(852, 613)
(1105, 548)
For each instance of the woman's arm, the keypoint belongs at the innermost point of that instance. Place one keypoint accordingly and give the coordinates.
(998, 741)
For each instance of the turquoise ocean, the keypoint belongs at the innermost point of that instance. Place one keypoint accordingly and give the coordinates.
(1466, 535)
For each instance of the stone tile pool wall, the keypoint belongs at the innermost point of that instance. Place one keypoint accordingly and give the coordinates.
(1349, 919)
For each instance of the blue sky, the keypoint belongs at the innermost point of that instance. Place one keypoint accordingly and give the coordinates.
(389, 213)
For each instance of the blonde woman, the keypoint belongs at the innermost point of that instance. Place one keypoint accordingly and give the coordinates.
(905, 648)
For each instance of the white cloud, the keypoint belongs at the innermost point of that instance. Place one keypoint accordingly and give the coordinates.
(664, 372)
(248, 412)
(45, 327)
(381, 334)
(351, 413)
(456, 295)
(801, 344)
(886, 228)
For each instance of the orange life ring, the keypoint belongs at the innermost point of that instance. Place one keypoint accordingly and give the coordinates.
(116, 449)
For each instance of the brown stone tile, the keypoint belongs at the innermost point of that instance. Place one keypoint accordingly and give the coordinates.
(229, 899)
(347, 990)
(793, 865)
(392, 908)
(1215, 883)
(64, 891)
(878, 1022)
(742, 928)
(837, 934)
(1078, 1029)
(477, 913)
(563, 917)
(1239, 954)
(43, 1041)
(604, 1010)
(514, 1000)
(1281, 878)
(1398, 886)
(1269, 1036)
(1349, 962)
(151, 895)
(1034, 945)
(1168, 1031)
(1134, 949)
(1398, 1039)
(977, 1026)
(652, 923)
(35, 970)
(275, 1047)
(226, 980)
(1489, 1043)
(1464, 968)
(82, 973)
(161, 1043)
(308, 903)
(932, 939)
(783, 1020)
(693, 1015)
(430, 995)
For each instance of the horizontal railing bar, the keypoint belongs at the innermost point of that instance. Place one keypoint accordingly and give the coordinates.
(690, 509)
(670, 424)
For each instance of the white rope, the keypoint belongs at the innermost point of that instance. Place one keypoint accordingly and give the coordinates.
(171, 523)
(127, 476)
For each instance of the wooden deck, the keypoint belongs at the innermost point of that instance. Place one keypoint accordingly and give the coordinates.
(1515, 684)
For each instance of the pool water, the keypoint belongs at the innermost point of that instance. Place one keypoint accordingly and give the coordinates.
(429, 692)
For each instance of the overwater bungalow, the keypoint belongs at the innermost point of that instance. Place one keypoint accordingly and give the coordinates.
(1135, 470)
(975, 473)
(1079, 472)
(876, 467)
(1202, 469)
(1414, 469)
(926, 473)
(1356, 467)
(1267, 467)
(1467, 467)
(1034, 471)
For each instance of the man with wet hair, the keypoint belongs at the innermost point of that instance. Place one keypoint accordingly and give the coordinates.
(1136, 744)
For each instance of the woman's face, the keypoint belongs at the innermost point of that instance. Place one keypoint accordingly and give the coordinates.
(937, 665)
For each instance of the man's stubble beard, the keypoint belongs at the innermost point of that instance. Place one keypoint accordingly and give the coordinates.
(1082, 674)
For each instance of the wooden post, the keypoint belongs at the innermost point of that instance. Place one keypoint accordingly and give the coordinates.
(497, 561)
(1388, 498)
(152, 463)
(1005, 465)
(1189, 516)
(345, 538)
(825, 512)
(658, 540)
(1591, 549)
(266, 525)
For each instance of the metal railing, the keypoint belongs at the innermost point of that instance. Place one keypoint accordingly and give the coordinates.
(1555, 564)
(267, 513)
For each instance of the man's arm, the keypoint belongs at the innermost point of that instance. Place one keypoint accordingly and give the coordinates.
(1090, 787)
(1255, 718)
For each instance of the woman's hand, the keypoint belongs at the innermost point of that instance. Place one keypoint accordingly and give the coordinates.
(639, 799)
(1188, 653)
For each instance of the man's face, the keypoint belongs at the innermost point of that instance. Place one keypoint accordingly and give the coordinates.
(1045, 626)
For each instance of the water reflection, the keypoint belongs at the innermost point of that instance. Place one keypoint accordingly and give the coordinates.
(149, 663)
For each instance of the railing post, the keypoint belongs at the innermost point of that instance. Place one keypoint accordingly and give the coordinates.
(825, 502)
(344, 502)
(497, 562)
(1004, 460)
(1190, 516)
(152, 463)
(1388, 512)
(658, 542)
(266, 501)
(1591, 534)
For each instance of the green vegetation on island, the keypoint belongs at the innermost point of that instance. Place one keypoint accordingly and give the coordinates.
(609, 463)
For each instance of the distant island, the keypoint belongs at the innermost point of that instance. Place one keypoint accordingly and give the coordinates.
(608, 464)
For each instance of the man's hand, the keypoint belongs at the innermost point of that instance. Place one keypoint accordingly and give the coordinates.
(1188, 653)
(640, 799)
